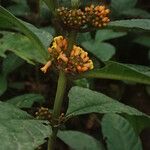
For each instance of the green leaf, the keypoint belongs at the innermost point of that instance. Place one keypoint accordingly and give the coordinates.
(82, 37)
(37, 36)
(121, 5)
(138, 123)
(4, 24)
(119, 71)
(127, 8)
(20, 130)
(119, 133)
(143, 24)
(8, 111)
(143, 40)
(103, 51)
(10, 63)
(22, 134)
(50, 4)
(83, 82)
(21, 46)
(20, 8)
(83, 101)
(136, 12)
(26, 100)
(3, 84)
(79, 141)
(44, 37)
(143, 69)
(2, 51)
(107, 34)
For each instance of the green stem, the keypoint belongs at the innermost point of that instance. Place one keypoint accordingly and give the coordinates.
(59, 94)
(57, 107)
(52, 139)
(54, 4)
(62, 81)
(75, 3)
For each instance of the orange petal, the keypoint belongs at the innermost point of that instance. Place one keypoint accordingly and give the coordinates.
(49, 50)
(47, 65)
(84, 69)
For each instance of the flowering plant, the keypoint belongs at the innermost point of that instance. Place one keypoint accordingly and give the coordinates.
(82, 44)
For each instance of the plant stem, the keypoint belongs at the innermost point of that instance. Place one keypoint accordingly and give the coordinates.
(59, 94)
(75, 3)
(61, 86)
(52, 139)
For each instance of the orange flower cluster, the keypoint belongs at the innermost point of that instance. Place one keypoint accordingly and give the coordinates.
(96, 16)
(79, 60)
(76, 62)
(72, 18)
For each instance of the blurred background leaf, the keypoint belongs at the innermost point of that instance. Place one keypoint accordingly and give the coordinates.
(120, 71)
(11, 62)
(102, 50)
(119, 133)
(127, 8)
(19, 8)
(40, 39)
(21, 46)
(80, 141)
(143, 24)
(26, 100)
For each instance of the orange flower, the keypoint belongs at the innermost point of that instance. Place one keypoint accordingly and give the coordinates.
(47, 65)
